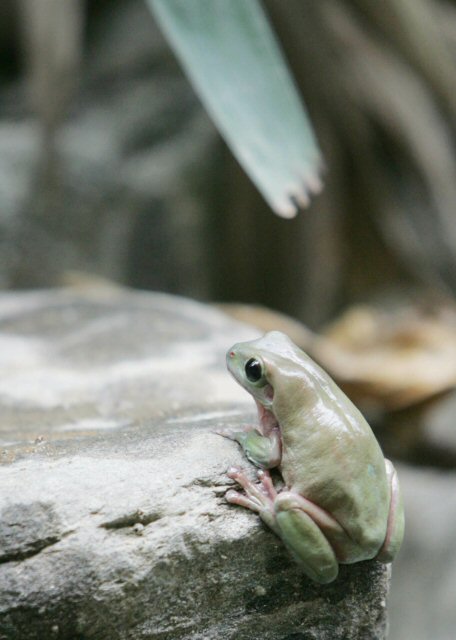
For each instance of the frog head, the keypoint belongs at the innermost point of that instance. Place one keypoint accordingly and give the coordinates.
(248, 367)
(275, 372)
(253, 365)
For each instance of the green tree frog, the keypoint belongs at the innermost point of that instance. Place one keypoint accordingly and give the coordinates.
(341, 502)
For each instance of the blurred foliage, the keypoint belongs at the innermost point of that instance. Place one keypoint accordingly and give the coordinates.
(131, 183)
(235, 65)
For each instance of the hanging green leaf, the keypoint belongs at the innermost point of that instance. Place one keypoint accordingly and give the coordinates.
(234, 63)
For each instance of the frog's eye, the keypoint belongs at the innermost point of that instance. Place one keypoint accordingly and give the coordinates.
(253, 370)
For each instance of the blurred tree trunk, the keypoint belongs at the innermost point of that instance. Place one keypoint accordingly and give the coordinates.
(52, 33)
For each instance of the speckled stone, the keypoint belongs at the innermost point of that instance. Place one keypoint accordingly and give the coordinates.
(113, 523)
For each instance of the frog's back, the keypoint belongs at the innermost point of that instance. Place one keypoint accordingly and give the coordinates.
(330, 454)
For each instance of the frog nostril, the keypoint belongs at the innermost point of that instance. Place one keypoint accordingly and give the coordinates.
(231, 354)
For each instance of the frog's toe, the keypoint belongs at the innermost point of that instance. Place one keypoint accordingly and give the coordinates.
(256, 493)
(249, 502)
(233, 472)
(234, 434)
(225, 433)
(240, 476)
(266, 482)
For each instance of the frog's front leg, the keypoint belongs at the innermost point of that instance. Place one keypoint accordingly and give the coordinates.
(264, 451)
(297, 521)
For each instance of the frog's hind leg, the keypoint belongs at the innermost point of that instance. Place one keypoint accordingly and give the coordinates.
(395, 526)
(304, 537)
(309, 532)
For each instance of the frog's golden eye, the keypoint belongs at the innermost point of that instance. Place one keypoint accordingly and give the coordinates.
(253, 370)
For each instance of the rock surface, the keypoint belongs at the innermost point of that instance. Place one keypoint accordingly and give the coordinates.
(113, 522)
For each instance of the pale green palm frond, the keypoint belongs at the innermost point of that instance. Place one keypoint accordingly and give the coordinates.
(235, 65)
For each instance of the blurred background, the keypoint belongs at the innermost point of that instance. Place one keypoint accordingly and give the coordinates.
(110, 169)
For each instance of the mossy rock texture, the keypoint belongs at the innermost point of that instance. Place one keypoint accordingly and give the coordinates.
(113, 523)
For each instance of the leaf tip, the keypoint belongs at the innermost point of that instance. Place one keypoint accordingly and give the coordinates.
(312, 182)
(299, 195)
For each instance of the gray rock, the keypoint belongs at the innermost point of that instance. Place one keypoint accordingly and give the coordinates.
(113, 519)
(25, 529)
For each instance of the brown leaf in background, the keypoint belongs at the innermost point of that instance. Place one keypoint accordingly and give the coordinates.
(392, 359)
(387, 359)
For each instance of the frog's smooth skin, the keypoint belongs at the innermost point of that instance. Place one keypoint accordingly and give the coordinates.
(341, 502)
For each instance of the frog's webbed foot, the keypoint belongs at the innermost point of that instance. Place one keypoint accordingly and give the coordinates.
(233, 434)
(258, 497)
